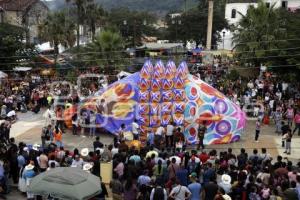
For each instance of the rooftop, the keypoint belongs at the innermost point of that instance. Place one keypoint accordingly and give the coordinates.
(16, 5)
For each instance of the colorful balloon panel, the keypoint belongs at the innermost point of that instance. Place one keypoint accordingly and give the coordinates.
(143, 108)
(166, 108)
(144, 120)
(167, 96)
(154, 109)
(155, 96)
(147, 70)
(178, 119)
(155, 121)
(182, 70)
(179, 95)
(173, 96)
(178, 83)
(166, 119)
(170, 70)
(144, 96)
(190, 112)
(144, 84)
(155, 84)
(167, 84)
(159, 70)
(178, 107)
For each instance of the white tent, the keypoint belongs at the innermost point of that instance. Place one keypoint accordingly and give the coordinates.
(2, 74)
(123, 74)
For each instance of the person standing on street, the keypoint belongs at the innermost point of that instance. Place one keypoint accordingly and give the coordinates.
(277, 118)
(135, 130)
(289, 115)
(169, 135)
(257, 130)
(201, 132)
(288, 142)
(58, 137)
(297, 122)
(74, 124)
(46, 135)
(59, 118)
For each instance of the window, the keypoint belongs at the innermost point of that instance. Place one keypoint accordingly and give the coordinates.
(268, 4)
(284, 4)
(233, 13)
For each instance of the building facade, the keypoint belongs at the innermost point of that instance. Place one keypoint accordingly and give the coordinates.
(28, 14)
(234, 9)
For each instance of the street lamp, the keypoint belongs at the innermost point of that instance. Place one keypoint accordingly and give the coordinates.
(223, 39)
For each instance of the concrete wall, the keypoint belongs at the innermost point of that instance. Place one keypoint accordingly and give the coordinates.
(35, 16)
(240, 8)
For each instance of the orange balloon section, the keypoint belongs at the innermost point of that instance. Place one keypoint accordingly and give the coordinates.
(68, 113)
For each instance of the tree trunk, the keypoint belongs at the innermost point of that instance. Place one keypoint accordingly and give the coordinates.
(56, 52)
(78, 24)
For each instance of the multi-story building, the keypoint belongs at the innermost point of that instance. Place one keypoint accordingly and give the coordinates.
(25, 13)
(234, 9)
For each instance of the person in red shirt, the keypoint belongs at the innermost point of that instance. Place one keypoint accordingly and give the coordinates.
(203, 157)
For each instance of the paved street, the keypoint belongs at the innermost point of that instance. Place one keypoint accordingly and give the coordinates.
(28, 129)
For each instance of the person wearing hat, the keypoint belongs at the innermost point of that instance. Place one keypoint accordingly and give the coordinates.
(87, 167)
(225, 183)
(195, 187)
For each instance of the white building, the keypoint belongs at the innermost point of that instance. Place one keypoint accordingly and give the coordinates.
(233, 10)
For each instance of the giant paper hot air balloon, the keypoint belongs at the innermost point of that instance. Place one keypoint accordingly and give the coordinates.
(186, 100)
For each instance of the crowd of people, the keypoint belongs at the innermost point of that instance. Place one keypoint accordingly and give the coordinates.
(163, 168)
(145, 173)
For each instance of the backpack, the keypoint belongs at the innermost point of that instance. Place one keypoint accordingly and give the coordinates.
(158, 194)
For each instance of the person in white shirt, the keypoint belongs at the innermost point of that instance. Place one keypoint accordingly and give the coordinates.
(169, 135)
(77, 162)
(158, 137)
(135, 130)
(160, 131)
(180, 192)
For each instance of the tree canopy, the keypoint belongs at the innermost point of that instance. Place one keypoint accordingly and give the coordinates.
(58, 29)
(192, 25)
(132, 24)
(12, 46)
(268, 36)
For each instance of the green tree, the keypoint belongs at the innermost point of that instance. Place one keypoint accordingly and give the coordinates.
(107, 48)
(266, 30)
(290, 49)
(12, 47)
(132, 24)
(81, 7)
(192, 24)
(58, 29)
(95, 16)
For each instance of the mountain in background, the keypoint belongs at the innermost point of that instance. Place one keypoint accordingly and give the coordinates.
(160, 7)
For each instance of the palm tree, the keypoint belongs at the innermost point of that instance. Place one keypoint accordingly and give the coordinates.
(107, 46)
(95, 15)
(81, 6)
(57, 29)
(263, 27)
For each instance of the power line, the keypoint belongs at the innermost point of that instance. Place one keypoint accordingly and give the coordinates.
(137, 50)
(118, 59)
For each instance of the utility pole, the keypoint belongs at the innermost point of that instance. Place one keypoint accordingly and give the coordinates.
(209, 24)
